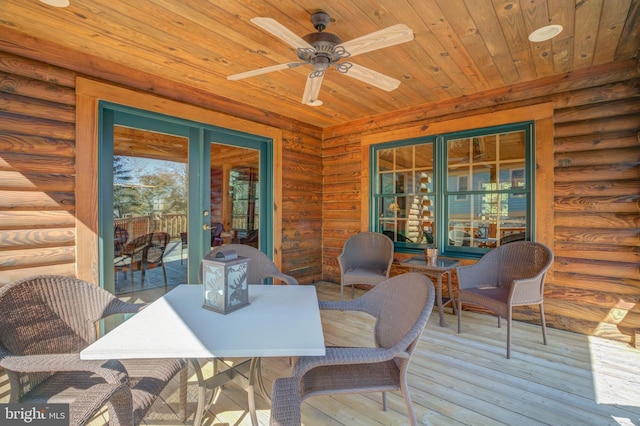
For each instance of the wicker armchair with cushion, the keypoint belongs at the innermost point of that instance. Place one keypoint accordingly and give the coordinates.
(401, 307)
(365, 259)
(510, 275)
(260, 266)
(45, 321)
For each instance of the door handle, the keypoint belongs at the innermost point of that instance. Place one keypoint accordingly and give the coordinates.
(206, 227)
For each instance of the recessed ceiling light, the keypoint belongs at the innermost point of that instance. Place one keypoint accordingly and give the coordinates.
(56, 3)
(545, 33)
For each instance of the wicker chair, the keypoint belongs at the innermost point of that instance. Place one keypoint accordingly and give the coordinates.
(510, 275)
(401, 306)
(45, 321)
(260, 266)
(365, 259)
(153, 255)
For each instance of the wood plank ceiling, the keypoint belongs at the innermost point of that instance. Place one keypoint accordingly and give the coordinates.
(461, 47)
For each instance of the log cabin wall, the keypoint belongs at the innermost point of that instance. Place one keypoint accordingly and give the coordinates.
(595, 285)
(38, 165)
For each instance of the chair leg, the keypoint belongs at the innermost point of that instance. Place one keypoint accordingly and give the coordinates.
(384, 401)
(459, 314)
(164, 272)
(182, 404)
(404, 388)
(544, 324)
(509, 321)
(353, 291)
(341, 292)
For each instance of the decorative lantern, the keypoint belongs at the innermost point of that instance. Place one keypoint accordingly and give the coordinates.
(224, 282)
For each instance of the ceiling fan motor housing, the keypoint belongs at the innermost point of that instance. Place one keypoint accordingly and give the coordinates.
(324, 44)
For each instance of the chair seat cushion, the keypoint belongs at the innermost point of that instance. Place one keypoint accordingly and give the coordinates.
(364, 276)
(351, 378)
(63, 387)
(147, 378)
(494, 298)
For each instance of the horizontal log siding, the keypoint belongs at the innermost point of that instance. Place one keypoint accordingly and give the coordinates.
(595, 287)
(301, 205)
(37, 169)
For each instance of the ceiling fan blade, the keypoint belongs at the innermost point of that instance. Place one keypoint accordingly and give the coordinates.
(372, 77)
(264, 70)
(312, 88)
(386, 37)
(282, 32)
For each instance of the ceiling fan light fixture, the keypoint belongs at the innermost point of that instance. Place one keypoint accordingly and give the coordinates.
(545, 33)
(56, 3)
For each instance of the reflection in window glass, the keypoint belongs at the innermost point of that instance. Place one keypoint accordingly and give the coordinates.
(493, 205)
(405, 194)
(466, 192)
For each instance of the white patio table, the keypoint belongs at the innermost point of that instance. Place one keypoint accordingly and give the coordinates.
(279, 321)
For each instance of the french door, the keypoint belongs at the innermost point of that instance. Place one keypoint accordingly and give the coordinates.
(199, 184)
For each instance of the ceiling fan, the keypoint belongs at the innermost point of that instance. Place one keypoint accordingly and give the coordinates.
(323, 50)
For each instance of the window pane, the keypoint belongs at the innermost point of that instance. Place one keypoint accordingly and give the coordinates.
(385, 159)
(424, 157)
(404, 158)
(483, 177)
(458, 152)
(386, 183)
(512, 146)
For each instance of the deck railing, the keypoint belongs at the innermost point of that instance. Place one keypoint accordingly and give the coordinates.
(172, 224)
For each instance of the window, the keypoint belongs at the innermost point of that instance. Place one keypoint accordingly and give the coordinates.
(464, 192)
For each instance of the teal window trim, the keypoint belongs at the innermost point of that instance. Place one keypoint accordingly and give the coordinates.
(442, 192)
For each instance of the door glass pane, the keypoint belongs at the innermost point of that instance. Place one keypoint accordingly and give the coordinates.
(235, 195)
(150, 205)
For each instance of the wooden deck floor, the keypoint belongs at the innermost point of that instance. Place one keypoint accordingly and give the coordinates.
(461, 379)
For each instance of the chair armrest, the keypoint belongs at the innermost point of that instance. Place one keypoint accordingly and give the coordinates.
(344, 262)
(345, 356)
(285, 402)
(288, 279)
(527, 291)
(117, 306)
(111, 370)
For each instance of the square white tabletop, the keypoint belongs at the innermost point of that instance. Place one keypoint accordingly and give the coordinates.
(281, 320)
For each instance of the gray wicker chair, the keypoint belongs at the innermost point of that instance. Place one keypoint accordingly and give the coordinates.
(45, 321)
(510, 275)
(365, 259)
(260, 266)
(401, 306)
